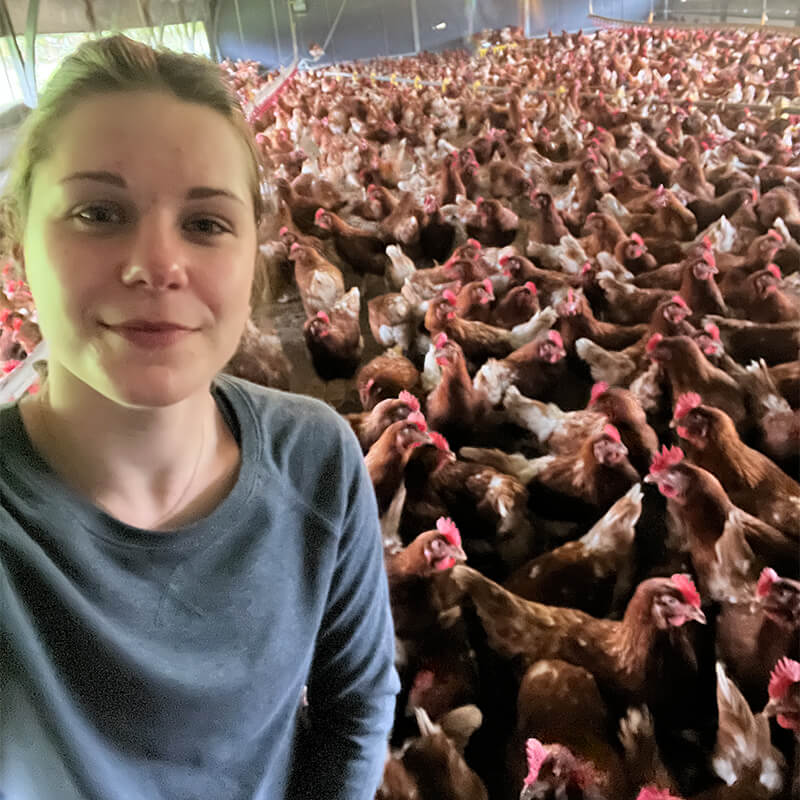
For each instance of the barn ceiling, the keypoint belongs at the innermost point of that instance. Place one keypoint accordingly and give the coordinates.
(68, 16)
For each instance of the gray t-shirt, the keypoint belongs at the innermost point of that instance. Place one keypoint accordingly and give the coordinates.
(141, 665)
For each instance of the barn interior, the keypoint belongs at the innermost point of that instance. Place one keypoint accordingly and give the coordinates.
(561, 242)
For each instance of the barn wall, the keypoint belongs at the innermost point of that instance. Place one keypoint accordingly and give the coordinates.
(779, 12)
(368, 28)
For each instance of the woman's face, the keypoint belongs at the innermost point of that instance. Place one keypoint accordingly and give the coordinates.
(142, 212)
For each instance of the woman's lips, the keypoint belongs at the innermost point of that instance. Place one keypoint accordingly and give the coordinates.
(152, 337)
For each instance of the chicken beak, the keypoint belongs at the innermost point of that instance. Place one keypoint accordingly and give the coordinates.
(771, 708)
(650, 478)
(696, 614)
(457, 552)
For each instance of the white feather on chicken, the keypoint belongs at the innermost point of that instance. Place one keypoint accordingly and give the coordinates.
(567, 256)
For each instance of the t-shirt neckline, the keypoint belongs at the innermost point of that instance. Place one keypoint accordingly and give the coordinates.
(238, 414)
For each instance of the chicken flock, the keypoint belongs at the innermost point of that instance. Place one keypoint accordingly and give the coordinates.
(576, 264)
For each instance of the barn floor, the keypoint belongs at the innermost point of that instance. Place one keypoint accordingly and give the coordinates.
(286, 316)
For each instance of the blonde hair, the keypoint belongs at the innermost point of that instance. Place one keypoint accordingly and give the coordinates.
(115, 64)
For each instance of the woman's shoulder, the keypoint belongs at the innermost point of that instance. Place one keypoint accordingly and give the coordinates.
(281, 412)
(297, 431)
(9, 423)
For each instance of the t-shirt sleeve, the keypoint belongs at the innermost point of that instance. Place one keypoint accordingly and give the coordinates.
(353, 683)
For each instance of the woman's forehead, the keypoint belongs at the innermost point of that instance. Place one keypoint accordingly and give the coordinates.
(150, 136)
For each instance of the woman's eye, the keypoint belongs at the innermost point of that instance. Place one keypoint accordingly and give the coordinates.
(207, 226)
(100, 215)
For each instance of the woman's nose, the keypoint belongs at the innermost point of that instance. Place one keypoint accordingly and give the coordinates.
(157, 259)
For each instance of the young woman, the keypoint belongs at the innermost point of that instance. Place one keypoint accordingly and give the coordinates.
(181, 552)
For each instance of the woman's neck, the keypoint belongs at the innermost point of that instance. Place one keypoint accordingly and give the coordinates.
(150, 467)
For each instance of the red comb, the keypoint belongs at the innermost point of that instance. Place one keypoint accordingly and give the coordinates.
(597, 390)
(653, 341)
(784, 674)
(449, 530)
(665, 459)
(417, 419)
(686, 402)
(423, 680)
(536, 756)
(487, 284)
(708, 348)
(687, 588)
(775, 270)
(283, 231)
(440, 442)
(712, 330)
(767, 577)
(754, 195)
(612, 433)
(441, 341)
(775, 235)
(555, 338)
(324, 317)
(531, 287)
(638, 239)
(678, 300)
(653, 793)
(409, 400)
(448, 295)
(474, 242)
(318, 214)
(586, 268)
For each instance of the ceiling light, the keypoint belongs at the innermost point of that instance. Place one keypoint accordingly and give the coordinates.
(440, 27)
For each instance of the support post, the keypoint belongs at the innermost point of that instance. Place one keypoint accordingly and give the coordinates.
(470, 9)
(7, 29)
(212, 31)
(415, 24)
(239, 26)
(30, 44)
(277, 32)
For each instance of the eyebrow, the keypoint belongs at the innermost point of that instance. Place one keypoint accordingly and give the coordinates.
(195, 193)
